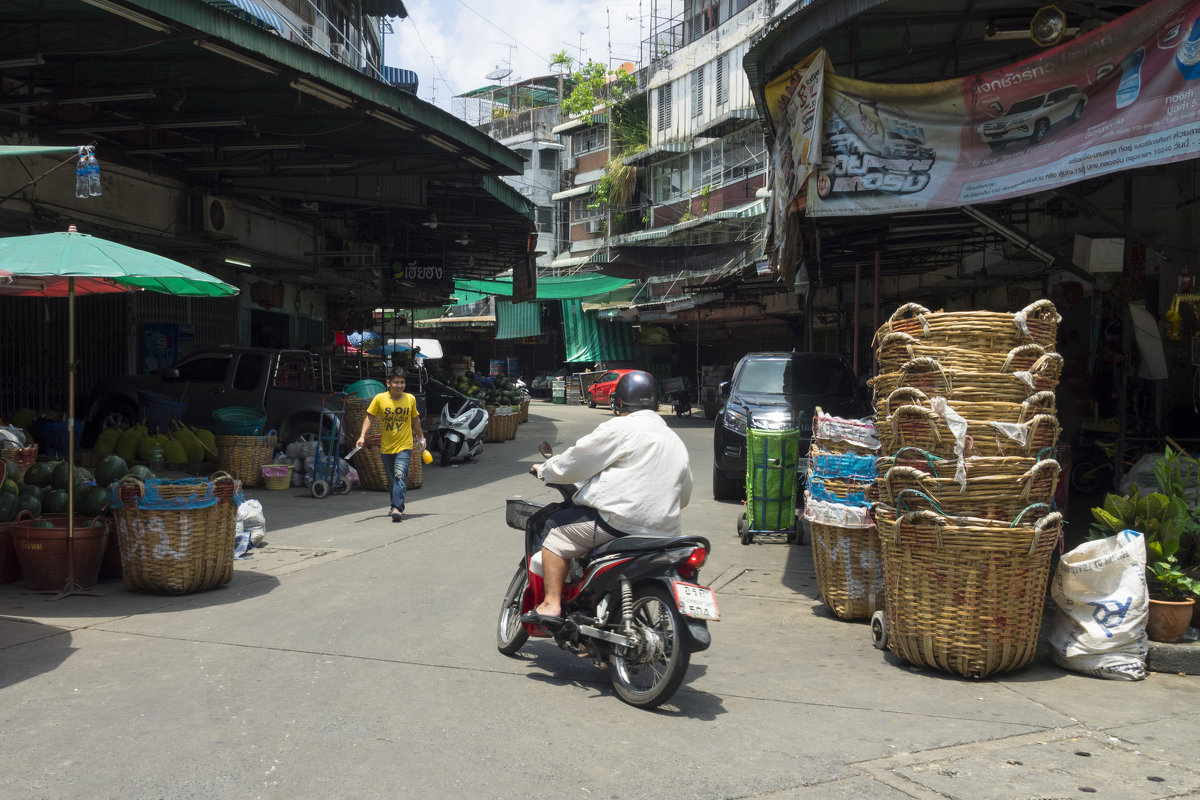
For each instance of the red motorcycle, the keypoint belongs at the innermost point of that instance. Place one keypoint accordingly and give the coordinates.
(635, 602)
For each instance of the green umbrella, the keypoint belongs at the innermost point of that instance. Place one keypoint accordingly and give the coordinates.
(71, 263)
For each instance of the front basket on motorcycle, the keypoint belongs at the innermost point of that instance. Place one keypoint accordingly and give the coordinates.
(518, 512)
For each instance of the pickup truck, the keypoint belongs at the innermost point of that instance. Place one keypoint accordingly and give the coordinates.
(289, 384)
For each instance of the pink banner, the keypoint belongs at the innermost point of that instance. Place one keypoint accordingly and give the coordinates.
(1123, 96)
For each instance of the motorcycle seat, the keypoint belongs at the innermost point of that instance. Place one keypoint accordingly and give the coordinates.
(628, 544)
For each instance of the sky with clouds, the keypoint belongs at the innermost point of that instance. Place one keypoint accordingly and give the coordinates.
(453, 44)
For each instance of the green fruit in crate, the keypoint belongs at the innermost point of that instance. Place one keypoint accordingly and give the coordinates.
(141, 471)
(191, 448)
(209, 442)
(160, 438)
(55, 502)
(146, 449)
(10, 505)
(110, 470)
(32, 491)
(91, 501)
(127, 443)
(31, 504)
(38, 474)
(174, 453)
(9, 469)
(10, 487)
(83, 475)
(45, 523)
(106, 442)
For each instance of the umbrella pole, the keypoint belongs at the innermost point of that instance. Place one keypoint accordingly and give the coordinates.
(72, 585)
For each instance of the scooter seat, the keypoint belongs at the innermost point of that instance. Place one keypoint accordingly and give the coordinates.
(628, 544)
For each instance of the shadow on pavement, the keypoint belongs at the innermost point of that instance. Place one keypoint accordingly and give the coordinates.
(31, 649)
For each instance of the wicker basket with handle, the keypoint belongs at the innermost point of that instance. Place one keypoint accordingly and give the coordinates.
(989, 331)
(243, 457)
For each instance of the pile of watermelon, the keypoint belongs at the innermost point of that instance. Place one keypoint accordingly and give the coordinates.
(44, 488)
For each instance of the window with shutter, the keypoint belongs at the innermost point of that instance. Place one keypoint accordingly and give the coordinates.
(698, 92)
(664, 107)
(722, 83)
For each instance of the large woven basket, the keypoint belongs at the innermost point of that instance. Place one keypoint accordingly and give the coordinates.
(524, 411)
(978, 410)
(916, 426)
(372, 477)
(894, 350)
(176, 537)
(991, 331)
(965, 595)
(933, 378)
(989, 495)
(243, 457)
(356, 412)
(849, 566)
(43, 554)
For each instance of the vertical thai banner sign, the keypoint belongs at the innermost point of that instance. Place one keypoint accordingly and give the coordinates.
(1123, 96)
(794, 101)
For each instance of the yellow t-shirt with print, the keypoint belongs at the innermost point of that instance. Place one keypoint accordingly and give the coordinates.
(396, 417)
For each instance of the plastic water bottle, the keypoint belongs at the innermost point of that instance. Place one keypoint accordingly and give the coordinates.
(81, 175)
(93, 175)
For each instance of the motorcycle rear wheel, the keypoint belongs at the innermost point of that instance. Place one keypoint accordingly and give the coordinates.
(649, 677)
(510, 632)
(446, 453)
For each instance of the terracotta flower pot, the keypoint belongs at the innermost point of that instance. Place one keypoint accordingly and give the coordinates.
(1169, 619)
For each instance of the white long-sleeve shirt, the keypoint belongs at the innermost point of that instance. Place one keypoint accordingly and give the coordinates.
(635, 473)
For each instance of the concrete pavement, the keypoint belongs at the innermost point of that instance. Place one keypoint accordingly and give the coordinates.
(354, 657)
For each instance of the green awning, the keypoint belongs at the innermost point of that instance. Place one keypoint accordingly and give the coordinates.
(33, 150)
(571, 287)
(518, 320)
(509, 196)
(589, 339)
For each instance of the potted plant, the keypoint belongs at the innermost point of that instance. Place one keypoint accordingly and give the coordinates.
(1162, 520)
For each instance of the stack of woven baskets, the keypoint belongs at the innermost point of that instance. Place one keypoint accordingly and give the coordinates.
(502, 423)
(837, 499)
(966, 415)
(176, 537)
(367, 462)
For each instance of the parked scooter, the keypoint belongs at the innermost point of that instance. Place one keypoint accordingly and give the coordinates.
(635, 602)
(460, 433)
(681, 402)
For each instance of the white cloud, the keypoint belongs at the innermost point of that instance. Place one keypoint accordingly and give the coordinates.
(467, 39)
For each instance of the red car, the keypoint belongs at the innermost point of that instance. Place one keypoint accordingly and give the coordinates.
(600, 392)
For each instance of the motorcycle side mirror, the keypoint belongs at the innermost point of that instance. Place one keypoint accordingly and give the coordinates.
(545, 449)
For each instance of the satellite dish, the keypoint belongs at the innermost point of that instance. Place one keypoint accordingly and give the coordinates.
(498, 74)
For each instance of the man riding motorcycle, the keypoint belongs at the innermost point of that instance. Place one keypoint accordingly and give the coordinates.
(636, 480)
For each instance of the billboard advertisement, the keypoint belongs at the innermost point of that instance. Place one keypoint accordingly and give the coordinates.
(1123, 96)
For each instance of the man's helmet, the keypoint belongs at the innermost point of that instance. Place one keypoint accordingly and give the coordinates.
(635, 391)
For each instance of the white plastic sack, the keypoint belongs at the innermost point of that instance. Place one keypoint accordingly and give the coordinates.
(11, 434)
(297, 472)
(281, 458)
(1099, 627)
(250, 517)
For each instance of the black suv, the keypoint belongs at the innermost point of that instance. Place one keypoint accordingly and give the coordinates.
(777, 390)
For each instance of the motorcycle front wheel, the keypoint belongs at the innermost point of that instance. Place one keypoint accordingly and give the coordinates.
(510, 633)
(646, 676)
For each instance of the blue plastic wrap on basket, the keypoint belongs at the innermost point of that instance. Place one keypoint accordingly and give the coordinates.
(855, 497)
(166, 495)
(851, 466)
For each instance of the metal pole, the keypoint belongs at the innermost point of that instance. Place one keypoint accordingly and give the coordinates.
(878, 269)
(857, 311)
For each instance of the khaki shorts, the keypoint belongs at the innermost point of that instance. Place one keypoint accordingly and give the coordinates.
(572, 535)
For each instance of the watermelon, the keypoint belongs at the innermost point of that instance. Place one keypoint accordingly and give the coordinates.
(91, 500)
(83, 475)
(38, 474)
(141, 471)
(32, 491)
(42, 523)
(28, 502)
(61, 477)
(110, 470)
(10, 504)
(55, 502)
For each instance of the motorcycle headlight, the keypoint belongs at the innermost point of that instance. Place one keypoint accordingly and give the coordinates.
(734, 420)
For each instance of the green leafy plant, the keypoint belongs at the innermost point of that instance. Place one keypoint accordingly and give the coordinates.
(1161, 520)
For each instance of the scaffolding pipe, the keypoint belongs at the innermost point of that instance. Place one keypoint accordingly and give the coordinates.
(857, 312)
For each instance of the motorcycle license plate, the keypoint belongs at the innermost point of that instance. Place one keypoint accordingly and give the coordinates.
(695, 601)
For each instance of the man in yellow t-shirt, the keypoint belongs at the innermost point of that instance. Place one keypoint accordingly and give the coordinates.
(401, 428)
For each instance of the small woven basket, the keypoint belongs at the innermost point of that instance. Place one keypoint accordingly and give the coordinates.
(23, 457)
(176, 537)
(524, 411)
(965, 595)
(989, 331)
(369, 464)
(243, 457)
(416, 469)
(277, 477)
(849, 566)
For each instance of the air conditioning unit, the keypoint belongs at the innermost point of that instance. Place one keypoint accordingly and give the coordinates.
(218, 215)
(309, 34)
(594, 226)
